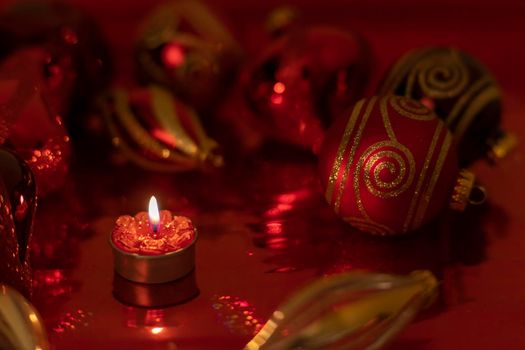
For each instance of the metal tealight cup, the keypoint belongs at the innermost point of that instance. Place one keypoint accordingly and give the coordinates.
(154, 268)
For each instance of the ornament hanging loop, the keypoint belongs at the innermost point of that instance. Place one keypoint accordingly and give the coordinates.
(478, 195)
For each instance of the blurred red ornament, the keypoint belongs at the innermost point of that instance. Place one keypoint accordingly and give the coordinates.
(185, 47)
(77, 62)
(235, 126)
(391, 166)
(17, 208)
(28, 123)
(304, 80)
(461, 91)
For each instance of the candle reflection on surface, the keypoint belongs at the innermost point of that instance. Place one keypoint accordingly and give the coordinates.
(156, 330)
(150, 318)
(155, 322)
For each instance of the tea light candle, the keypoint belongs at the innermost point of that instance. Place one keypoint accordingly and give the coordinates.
(153, 247)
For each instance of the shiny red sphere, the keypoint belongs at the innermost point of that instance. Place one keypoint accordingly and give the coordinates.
(389, 166)
(304, 79)
(32, 127)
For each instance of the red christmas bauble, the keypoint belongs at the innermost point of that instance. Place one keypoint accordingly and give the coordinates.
(390, 166)
(28, 122)
(304, 80)
(186, 47)
(77, 59)
(17, 208)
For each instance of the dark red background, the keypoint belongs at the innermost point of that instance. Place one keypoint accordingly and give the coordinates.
(265, 229)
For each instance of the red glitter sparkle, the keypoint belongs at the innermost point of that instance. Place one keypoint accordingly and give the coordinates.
(237, 314)
(134, 234)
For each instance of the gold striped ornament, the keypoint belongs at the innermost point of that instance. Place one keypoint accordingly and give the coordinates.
(354, 310)
(461, 91)
(22, 326)
(184, 46)
(157, 132)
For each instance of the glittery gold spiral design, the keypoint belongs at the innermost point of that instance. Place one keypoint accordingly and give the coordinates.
(440, 76)
(410, 108)
(455, 85)
(391, 159)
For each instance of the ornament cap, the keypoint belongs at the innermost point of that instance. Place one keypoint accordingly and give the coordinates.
(462, 190)
(501, 145)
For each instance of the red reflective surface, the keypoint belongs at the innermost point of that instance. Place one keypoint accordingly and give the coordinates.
(264, 228)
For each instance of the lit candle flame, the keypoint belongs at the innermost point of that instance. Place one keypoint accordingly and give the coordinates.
(154, 216)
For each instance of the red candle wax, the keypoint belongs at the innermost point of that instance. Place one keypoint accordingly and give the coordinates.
(138, 235)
